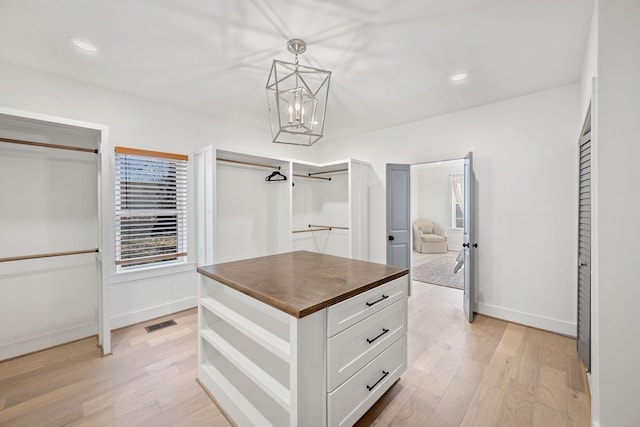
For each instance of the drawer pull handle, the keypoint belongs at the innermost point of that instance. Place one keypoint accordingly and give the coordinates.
(384, 297)
(384, 331)
(371, 387)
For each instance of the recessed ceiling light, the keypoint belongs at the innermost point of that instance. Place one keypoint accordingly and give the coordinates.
(84, 45)
(458, 77)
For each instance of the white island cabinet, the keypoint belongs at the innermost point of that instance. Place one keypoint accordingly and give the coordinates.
(301, 339)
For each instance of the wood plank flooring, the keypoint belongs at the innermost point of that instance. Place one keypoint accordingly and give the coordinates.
(491, 373)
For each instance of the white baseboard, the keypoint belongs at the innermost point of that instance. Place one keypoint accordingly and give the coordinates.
(29, 345)
(18, 348)
(127, 319)
(553, 325)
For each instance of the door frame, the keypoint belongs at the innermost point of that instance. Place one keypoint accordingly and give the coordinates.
(473, 305)
(587, 129)
(469, 244)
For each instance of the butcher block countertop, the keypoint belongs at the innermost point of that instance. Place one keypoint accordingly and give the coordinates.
(300, 283)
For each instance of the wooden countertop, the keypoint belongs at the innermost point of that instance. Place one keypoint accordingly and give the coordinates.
(300, 283)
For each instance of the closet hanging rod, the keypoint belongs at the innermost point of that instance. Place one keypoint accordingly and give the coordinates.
(261, 165)
(46, 145)
(329, 227)
(307, 230)
(332, 171)
(320, 228)
(314, 177)
(48, 255)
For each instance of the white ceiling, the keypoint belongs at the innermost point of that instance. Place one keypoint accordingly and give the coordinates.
(391, 59)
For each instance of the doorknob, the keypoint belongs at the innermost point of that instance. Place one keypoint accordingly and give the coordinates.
(391, 238)
(475, 245)
(465, 245)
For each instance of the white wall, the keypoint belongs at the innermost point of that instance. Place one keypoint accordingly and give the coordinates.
(321, 202)
(431, 196)
(618, 231)
(525, 162)
(590, 64)
(140, 123)
(252, 214)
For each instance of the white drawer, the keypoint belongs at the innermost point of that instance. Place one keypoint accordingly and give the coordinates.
(349, 312)
(353, 398)
(356, 346)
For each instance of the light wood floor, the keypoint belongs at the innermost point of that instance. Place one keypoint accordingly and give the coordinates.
(486, 373)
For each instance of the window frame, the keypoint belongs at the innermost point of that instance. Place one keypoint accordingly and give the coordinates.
(175, 166)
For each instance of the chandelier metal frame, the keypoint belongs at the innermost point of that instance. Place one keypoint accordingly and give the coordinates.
(297, 98)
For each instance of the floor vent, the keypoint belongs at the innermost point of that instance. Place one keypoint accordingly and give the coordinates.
(160, 325)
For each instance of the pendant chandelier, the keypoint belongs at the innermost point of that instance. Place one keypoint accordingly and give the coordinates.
(297, 99)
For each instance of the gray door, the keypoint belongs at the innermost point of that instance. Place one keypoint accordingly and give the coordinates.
(469, 244)
(398, 215)
(584, 252)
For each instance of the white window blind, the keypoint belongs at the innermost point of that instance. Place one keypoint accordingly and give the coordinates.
(150, 207)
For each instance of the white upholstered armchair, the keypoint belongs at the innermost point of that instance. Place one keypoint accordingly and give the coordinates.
(428, 238)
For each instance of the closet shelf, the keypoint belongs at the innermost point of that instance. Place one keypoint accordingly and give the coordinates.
(257, 333)
(266, 382)
(235, 395)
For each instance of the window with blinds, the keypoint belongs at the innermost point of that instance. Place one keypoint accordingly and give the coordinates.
(150, 207)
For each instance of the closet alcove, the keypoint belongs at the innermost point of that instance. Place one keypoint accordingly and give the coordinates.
(242, 214)
(251, 212)
(50, 263)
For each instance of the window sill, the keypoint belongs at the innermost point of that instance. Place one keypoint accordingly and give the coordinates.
(149, 272)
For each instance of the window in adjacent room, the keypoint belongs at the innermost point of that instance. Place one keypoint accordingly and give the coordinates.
(151, 207)
(457, 200)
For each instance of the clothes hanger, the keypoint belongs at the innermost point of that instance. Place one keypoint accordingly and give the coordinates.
(276, 176)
